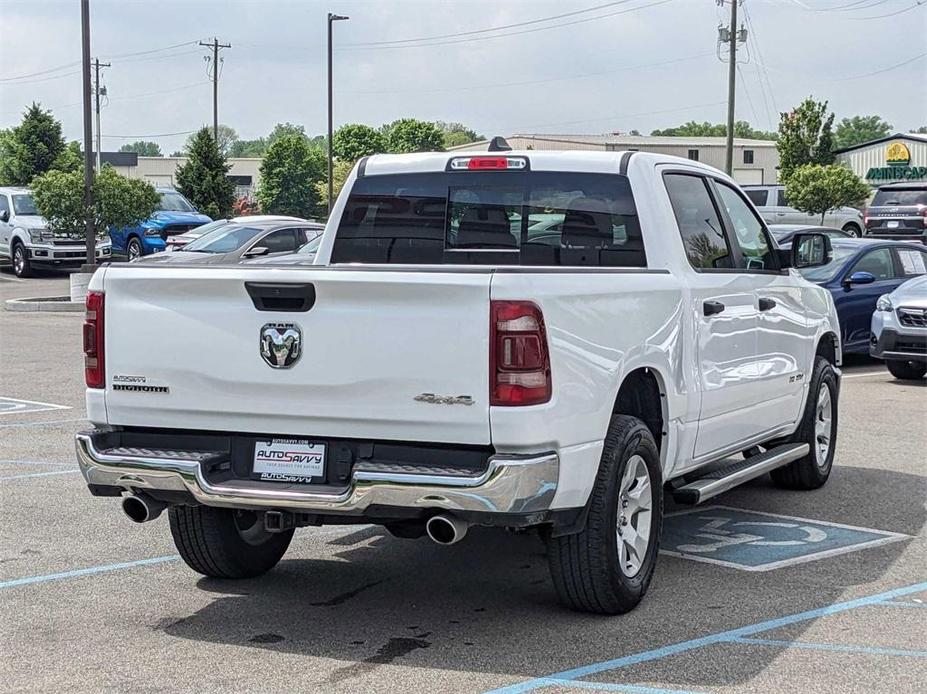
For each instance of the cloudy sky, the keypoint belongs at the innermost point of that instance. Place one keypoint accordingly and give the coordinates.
(630, 64)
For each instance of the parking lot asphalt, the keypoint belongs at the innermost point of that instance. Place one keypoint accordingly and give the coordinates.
(92, 602)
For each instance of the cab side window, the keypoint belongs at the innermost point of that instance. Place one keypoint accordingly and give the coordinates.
(751, 236)
(703, 235)
(877, 262)
(4, 207)
(280, 241)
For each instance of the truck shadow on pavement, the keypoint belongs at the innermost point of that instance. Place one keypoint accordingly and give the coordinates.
(487, 605)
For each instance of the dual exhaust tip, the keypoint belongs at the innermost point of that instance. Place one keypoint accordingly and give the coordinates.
(442, 529)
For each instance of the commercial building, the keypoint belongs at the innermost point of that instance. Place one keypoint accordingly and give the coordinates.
(162, 171)
(899, 158)
(755, 161)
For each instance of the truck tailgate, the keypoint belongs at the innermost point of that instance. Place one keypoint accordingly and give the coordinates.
(371, 343)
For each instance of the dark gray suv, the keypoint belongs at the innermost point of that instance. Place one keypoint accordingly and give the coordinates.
(898, 211)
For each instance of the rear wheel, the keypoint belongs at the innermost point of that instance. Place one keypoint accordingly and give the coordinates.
(818, 429)
(226, 543)
(853, 229)
(906, 370)
(607, 567)
(21, 265)
(134, 249)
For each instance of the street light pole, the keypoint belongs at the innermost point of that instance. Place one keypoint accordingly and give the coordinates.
(331, 18)
(731, 82)
(89, 234)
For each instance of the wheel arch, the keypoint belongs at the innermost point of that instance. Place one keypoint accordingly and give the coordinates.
(828, 346)
(642, 394)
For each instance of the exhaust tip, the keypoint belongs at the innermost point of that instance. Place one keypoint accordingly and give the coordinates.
(445, 530)
(140, 509)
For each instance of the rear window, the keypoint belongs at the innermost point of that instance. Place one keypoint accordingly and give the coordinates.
(889, 196)
(497, 218)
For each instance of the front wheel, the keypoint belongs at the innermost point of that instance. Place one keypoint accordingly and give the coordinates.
(226, 543)
(21, 265)
(906, 370)
(134, 249)
(818, 428)
(853, 230)
(607, 567)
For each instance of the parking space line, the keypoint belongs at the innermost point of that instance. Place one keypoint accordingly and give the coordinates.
(609, 687)
(868, 373)
(865, 650)
(19, 406)
(39, 424)
(710, 640)
(30, 462)
(90, 571)
(27, 475)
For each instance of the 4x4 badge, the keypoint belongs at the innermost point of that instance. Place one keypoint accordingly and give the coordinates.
(281, 344)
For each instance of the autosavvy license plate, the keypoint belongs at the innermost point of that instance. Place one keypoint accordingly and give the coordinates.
(288, 460)
(892, 225)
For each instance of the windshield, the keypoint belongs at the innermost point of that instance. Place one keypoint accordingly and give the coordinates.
(226, 239)
(24, 205)
(826, 272)
(899, 197)
(174, 202)
(312, 246)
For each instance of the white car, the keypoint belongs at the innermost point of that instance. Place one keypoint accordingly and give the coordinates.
(899, 328)
(27, 242)
(774, 207)
(435, 366)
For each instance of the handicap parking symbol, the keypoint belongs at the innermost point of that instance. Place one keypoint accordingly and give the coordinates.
(756, 541)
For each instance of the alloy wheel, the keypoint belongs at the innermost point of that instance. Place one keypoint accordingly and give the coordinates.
(823, 426)
(19, 260)
(635, 508)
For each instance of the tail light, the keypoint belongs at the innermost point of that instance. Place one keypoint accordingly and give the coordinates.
(519, 359)
(865, 219)
(94, 362)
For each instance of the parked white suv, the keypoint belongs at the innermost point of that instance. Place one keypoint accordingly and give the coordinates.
(454, 358)
(774, 207)
(27, 242)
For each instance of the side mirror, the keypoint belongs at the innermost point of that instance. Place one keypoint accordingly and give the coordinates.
(4, 215)
(256, 252)
(861, 277)
(810, 249)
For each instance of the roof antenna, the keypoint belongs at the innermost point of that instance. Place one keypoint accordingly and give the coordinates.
(498, 144)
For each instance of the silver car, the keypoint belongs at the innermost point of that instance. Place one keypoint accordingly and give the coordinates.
(774, 208)
(899, 329)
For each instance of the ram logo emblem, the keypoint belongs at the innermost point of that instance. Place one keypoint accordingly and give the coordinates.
(281, 344)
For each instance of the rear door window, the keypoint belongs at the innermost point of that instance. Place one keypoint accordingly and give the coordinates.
(913, 262)
(748, 229)
(703, 235)
(500, 217)
(758, 196)
(781, 200)
(281, 241)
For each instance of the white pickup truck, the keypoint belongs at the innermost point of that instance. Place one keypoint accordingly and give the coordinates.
(519, 339)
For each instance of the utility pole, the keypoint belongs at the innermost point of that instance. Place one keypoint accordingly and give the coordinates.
(731, 36)
(98, 92)
(331, 197)
(216, 47)
(89, 234)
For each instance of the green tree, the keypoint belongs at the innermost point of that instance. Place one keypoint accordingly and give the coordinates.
(355, 140)
(694, 129)
(805, 137)
(227, 138)
(456, 134)
(859, 129)
(290, 174)
(204, 180)
(341, 169)
(31, 148)
(143, 148)
(248, 148)
(282, 129)
(817, 189)
(411, 135)
(117, 201)
(921, 130)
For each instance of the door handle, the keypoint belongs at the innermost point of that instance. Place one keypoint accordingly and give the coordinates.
(711, 308)
(766, 304)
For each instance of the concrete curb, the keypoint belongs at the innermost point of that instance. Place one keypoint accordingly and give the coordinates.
(45, 304)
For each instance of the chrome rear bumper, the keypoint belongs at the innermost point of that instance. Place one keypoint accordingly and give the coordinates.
(510, 484)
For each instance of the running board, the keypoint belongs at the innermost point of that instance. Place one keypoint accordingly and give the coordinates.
(735, 474)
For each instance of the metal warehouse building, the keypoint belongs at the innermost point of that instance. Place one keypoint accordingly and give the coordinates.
(755, 161)
(899, 158)
(162, 171)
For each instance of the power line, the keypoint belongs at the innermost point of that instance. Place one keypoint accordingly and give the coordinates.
(743, 84)
(511, 33)
(527, 82)
(917, 4)
(859, 76)
(153, 50)
(489, 30)
(141, 137)
(762, 72)
(41, 72)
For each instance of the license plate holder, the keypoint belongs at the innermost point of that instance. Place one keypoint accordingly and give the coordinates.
(289, 460)
(892, 224)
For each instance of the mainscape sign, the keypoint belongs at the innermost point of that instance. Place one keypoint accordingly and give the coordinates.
(898, 160)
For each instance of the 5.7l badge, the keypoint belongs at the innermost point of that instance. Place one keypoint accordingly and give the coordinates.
(281, 344)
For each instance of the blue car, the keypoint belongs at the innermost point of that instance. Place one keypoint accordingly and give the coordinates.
(861, 271)
(173, 215)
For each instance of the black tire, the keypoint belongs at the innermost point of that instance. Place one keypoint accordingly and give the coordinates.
(853, 229)
(906, 370)
(585, 566)
(812, 471)
(19, 257)
(134, 249)
(211, 541)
